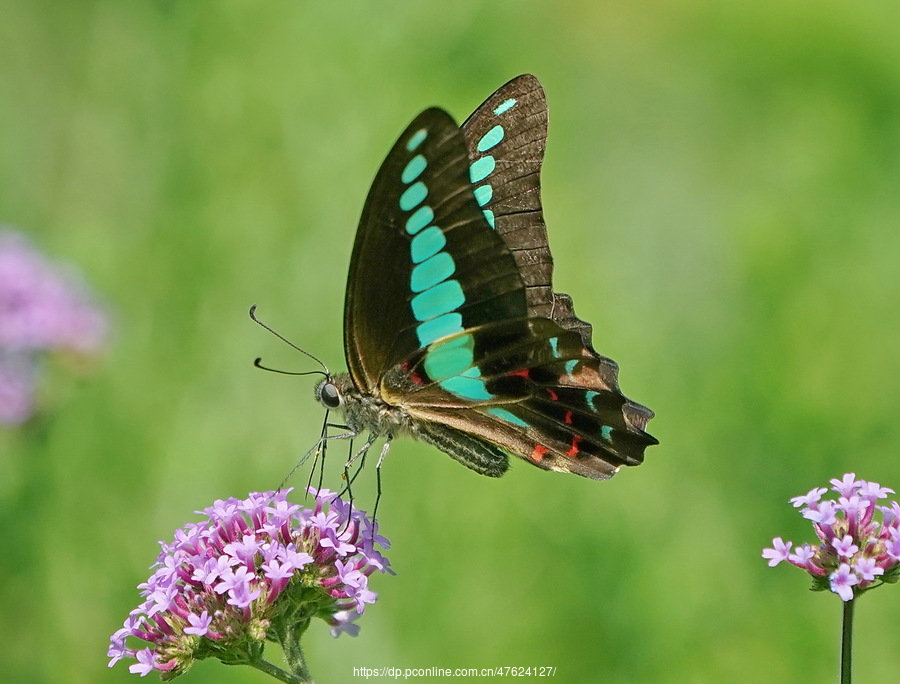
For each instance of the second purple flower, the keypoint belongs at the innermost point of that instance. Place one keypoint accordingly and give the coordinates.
(856, 551)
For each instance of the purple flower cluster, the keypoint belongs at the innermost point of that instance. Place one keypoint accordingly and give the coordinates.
(857, 552)
(253, 570)
(42, 308)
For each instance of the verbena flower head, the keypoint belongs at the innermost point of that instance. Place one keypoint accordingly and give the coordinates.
(856, 552)
(43, 308)
(254, 570)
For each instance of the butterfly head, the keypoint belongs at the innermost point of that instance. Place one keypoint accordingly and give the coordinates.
(361, 410)
(329, 394)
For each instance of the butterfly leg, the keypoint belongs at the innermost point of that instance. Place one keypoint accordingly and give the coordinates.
(358, 455)
(362, 450)
(384, 450)
(350, 434)
(319, 447)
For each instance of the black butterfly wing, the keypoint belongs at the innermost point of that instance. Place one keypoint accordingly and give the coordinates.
(424, 259)
(506, 137)
(510, 127)
(450, 311)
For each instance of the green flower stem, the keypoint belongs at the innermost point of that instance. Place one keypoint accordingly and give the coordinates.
(293, 654)
(277, 672)
(847, 641)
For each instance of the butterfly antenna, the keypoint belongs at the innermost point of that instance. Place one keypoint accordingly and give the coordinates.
(290, 344)
(258, 363)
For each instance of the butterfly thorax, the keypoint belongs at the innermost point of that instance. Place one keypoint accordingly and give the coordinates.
(364, 411)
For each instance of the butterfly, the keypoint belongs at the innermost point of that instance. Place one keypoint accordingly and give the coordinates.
(452, 331)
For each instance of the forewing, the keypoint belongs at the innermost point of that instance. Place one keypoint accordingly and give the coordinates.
(506, 138)
(508, 134)
(425, 263)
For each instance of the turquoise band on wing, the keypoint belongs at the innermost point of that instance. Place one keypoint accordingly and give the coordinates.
(431, 272)
(437, 295)
(413, 196)
(490, 139)
(416, 139)
(483, 194)
(466, 387)
(413, 169)
(481, 168)
(426, 244)
(440, 299)
(420, 218)
(484, 166)
(505, 106)
(503, 414)
(450, 358)
(437, 328)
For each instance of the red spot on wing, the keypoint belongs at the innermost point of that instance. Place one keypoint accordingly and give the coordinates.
(538, 453)
(574, 450)
(414, 376)
(553, 395)
(524, 373)
(568, 418)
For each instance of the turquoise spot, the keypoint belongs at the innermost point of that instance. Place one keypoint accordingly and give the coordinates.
(570, 366)
(481, 168)
(491, 138)
(420, 218)
(413, 169)
(439, 327)
(450, 358)
(440, 299)
(483, 194)
(467, 388)
(508, 417)
(503, 107)
(589, 395)
(554, 345)
(489, 215)
(416, 139)
(413, 196)
(606, 431)
(431, 272)
(427, 243)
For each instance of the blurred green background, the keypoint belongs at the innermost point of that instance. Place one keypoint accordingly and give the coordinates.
(722, 187)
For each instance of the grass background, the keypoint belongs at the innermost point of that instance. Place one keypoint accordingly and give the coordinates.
(721, 186)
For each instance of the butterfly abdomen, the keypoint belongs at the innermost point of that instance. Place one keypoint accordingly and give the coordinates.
(481, 456)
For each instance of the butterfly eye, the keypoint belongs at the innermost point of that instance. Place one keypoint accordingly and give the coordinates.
(329, 395)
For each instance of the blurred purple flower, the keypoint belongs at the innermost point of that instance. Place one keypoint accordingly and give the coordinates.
(856, 552)
(44, 307)
(16, 389)
(254, 570)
